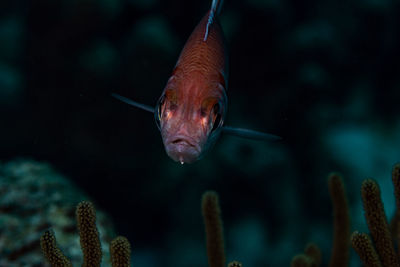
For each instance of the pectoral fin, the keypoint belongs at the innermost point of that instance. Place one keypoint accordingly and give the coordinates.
(250, 134)
(133, 103)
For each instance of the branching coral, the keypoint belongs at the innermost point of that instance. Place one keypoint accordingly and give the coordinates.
(51, 252)
(90, 243)
(380, 251)
(341, 222)
(33, 197)
(376, 253)
(214, 231)
(341, 230)
(120, 251)
(362, 244)
(311, 257)
(234, 264)
(89, 236)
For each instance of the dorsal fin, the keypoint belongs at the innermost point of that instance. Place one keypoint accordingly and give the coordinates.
(214, 11)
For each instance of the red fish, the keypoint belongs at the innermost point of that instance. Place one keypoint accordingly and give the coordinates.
(191, 110)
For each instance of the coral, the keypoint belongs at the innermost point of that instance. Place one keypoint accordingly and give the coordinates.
(302, 260)
(120, 247)
(311, 257)
(382, 238)
(89, 236)
(234, 264)
(214, 231)
(362, 244)
(90, 242)
(341, 230)
(376, 251)
(395, 223)
(50, 250)
(33, 197)
(341, 219)
(377, 222)
(120, 251)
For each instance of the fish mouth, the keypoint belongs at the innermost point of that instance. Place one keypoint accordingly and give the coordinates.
(182, 149)
(182, 140)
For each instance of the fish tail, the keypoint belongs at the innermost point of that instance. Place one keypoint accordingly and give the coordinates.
(216, 6)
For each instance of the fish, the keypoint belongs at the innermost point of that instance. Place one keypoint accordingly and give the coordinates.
(191, 110)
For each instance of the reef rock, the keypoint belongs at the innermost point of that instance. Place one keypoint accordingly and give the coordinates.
(33, 198)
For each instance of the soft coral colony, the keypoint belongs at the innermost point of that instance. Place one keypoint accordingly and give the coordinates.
(380, 251)
(120, 248)
(375, 252)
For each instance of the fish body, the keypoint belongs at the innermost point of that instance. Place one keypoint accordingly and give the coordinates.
(191, 110)
(192, 107)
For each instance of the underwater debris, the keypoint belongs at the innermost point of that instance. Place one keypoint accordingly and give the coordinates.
(90, 242)
(380, 250)
(341, 230)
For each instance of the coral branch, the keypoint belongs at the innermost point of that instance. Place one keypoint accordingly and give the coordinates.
(341, 225)
(363, 246)
(314, 253)
(120, 248)
(51, 252)
(235, 264)
(310, 258)
(377, 223)
(89, 235)
(120, 251)
(395, 224)
(396, 183)
(302, 260)
(214, 231)
(341, 230)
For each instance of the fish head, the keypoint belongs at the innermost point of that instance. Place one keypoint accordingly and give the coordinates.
(189, 124)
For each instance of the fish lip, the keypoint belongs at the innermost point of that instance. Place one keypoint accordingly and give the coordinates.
(183, 140)
(182, 149)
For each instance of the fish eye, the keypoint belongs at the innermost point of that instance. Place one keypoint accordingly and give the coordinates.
(159, 111)
(217, 117)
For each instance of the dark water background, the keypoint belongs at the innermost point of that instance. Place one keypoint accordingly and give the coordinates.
(324, 75)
